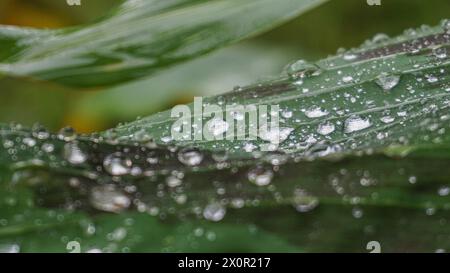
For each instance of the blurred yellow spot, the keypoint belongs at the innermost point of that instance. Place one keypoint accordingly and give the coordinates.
(23, 14)
(84, 124)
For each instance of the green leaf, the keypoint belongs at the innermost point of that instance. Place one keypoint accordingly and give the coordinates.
(138, 39)
(364, 180)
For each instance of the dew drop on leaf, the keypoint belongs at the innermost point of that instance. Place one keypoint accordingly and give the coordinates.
(108, 198)
(387, 82)
(67, 134)
(260, 176)
(303, 201)
(214, 212)
(190, 157)
(356, 123)
(73, 153)
(117, 164)
(325, 128)
(217, 126)
(315, 112)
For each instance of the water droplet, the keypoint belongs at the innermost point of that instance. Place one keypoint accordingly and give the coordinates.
(387, 119)
(315, 112)
(67, 134)
(220, 156)
(166, 139)
(30, 142)
(444, 191)
(48, 147)
(356, 123)
(349, 56)
(347, 79)
(286, 114)
(387, 82)
(276, 158)
(446, 25)
(303, 201)
(118, 234)
(412, 179)
(190, 157)
(40, 132)
(440, 53)
(74, 154)
(301, 68)
(260, 176)
(432, 79)
(214, 212)
(237, 115)
(380, 38)
(325, 128)
(237, 203)
(9, 248)
(217, 126)
(108, 198)
(277, 135)
(173, 181)
(357, 213)
(117, 164)
(249, 147)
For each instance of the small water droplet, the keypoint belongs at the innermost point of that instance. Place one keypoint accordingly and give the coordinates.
(380, 38)
(286, 114)
(260, 176)
(303, 201)
(173, 181)
(349, 56)
(444, 191)
(440, 53)
(48, 147)
(9, 248)
(190, 157)
(357, 213)
(40, 132)
(117, 164)
(387, 119)
(67, 134)
(412, 179)
(217, 126)
(347, 79)
(277, 135)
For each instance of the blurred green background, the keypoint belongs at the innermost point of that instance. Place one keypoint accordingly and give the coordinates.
(317, 34)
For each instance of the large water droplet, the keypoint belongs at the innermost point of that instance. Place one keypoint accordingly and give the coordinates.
(73, 153)
(356, 123)
(387, 82)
